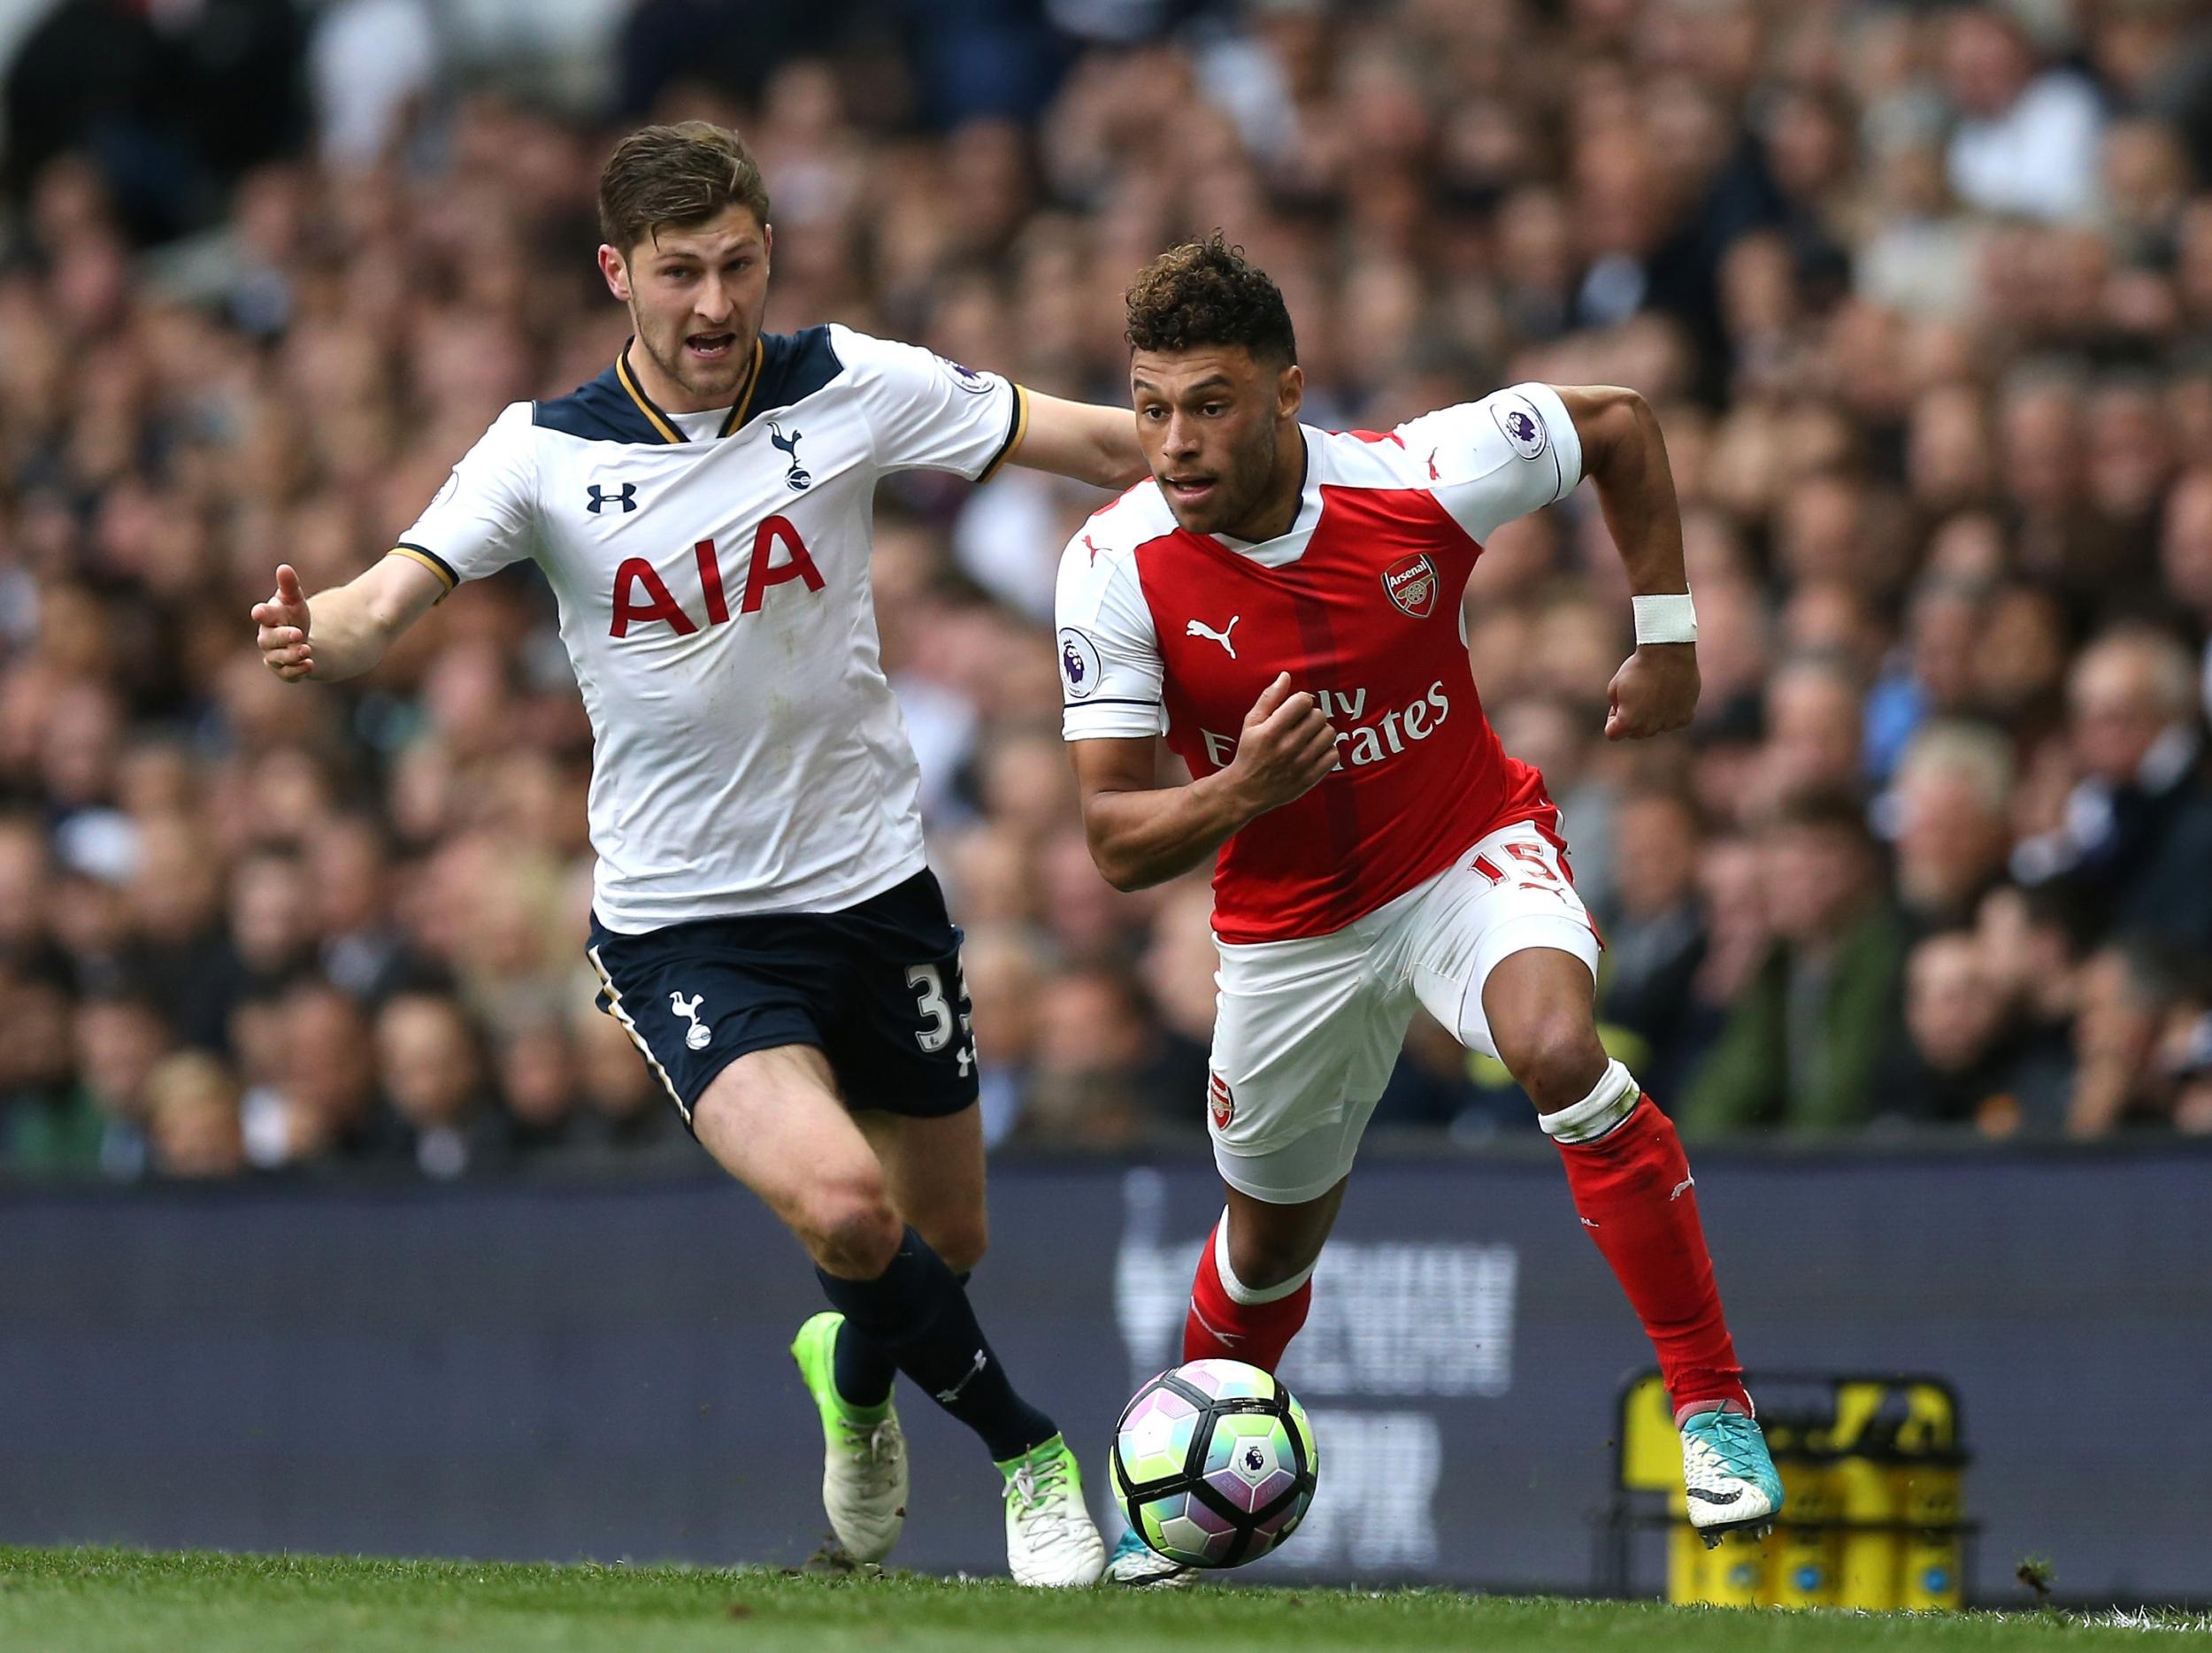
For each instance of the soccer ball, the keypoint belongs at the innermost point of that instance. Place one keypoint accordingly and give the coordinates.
(1214, 1463)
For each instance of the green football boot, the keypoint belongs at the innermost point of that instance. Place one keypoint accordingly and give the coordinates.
(863, 1451)
(1050, 1539)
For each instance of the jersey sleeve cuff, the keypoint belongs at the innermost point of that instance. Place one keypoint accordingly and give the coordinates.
(1566, 442)
(1113, 720)
(1017, 427)
(431, 560)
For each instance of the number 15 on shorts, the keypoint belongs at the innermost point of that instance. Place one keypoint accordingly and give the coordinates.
(939, 1018)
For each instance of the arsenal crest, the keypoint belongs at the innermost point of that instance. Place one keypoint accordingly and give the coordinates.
(1411, 583)
(1220, 1101)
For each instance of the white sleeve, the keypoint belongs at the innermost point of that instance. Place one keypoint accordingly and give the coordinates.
(1511, 453)
(480, 521)
(927, 414)
(1110, 654)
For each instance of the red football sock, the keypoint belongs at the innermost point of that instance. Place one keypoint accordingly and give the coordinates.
(1634, 1190)
(1219, 1327)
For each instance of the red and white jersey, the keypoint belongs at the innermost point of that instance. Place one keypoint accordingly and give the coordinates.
(1163, 631)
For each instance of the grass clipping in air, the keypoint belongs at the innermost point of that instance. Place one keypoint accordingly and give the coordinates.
(108, 1601)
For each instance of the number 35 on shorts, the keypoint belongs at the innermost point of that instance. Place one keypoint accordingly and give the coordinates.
(939, 1018)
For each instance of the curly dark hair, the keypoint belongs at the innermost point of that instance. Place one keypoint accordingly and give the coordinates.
(1203, 292)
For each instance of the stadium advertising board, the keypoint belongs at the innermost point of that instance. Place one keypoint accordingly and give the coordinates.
(553, 1371)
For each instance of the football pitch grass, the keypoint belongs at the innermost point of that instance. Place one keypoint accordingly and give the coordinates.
(110, 1601)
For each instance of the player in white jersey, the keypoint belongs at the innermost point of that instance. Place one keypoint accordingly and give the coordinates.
(765, 925)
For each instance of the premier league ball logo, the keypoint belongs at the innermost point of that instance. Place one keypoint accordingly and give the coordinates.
(1523, 425)
(963, 375)
(1078, 663)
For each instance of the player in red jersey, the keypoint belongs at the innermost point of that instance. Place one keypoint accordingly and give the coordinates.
(1283, 604)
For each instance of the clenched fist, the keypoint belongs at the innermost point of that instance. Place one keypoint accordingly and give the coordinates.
(1285, 748)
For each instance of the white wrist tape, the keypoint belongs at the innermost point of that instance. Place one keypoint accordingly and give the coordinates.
(1665, 619)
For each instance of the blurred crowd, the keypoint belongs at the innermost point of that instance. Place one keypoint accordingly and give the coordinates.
(1923, 296)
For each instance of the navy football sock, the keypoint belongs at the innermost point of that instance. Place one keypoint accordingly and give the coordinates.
(917, 1312)
(862, 1368)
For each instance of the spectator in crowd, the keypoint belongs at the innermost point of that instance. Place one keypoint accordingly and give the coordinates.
(540, 1087)
(1952, 808)
(1965, 1058)
(2137, 833)
(433, 1071)
(2132, 993)
(121, 1036)
(628, 1112)
(1803, 1044)
(192, 1118)
(1655, 939)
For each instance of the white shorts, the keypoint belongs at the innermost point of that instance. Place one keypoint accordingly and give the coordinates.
(1306, 1031)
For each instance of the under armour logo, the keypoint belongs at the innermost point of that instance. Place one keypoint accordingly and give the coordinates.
(946, 1397)
(1199, 628)
(700, 1034)
(798, 478)
(626, 497)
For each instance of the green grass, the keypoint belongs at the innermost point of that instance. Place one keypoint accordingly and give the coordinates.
(108, 1601)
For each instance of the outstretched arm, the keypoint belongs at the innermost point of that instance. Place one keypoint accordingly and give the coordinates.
(342, 631)
(1142, 834)
(1077, 439)
(1625, 456)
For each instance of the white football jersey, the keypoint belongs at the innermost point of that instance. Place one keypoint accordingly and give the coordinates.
(748, 755)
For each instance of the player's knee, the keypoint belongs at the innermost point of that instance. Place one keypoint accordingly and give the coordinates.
(961, 1240)
(1555, 1057)
(1263, 1261)
(848, 1223)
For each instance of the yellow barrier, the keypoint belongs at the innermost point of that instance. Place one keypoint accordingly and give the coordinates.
(1873, 1472)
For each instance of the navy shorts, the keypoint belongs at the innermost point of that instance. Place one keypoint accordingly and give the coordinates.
(877, 989)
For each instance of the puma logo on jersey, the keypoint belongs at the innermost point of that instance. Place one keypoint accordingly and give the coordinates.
(1199, 628)
(798, 478)
(1093, 548)
(700, 1034)
(1434, 475)
(625, 496)
(1682, 1187)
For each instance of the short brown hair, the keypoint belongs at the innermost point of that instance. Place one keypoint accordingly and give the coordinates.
(1203, 292)
(680, 176)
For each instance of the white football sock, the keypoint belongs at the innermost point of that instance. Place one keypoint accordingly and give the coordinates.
(1251, 1295)
(1609, 1102)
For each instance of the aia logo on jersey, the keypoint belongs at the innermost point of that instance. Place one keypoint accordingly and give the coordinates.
(1411, 583)
(641, 598)
(1221, 1102)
